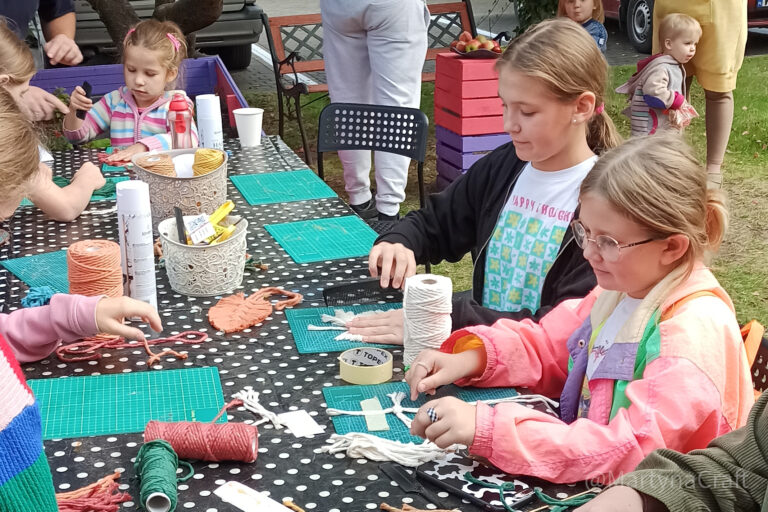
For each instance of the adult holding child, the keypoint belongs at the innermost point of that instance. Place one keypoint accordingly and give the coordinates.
(512, 209)
(718, 58)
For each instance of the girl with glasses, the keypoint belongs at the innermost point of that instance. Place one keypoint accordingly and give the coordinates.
(651, 358)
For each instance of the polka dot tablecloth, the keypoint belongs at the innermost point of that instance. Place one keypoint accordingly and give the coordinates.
(263, 357)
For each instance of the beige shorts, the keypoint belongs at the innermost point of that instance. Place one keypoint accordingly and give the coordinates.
(720, 51)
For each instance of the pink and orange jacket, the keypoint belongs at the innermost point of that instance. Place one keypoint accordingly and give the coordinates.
(685, 374)
(34, 333)
(118, 114)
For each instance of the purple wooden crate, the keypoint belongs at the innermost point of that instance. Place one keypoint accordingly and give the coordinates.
(442, 183)
(469, 144)
(204, 75)
(457, 158)
(447, 170)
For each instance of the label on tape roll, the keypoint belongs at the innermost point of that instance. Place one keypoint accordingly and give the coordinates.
(365, 365)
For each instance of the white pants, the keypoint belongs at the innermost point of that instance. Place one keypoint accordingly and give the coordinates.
(374, 53)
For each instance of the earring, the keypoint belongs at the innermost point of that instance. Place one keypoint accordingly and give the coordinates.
(573, 120)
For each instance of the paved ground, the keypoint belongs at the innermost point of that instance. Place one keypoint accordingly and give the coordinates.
(490, 16)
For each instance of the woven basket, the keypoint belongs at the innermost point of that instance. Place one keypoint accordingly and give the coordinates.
(204, 270)
(195, 195)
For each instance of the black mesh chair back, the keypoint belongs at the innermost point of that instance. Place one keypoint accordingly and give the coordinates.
(366, 291)
(398, 130)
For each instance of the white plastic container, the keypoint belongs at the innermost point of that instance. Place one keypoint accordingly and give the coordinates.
(209, 121)
(134, 227)
(204, 270)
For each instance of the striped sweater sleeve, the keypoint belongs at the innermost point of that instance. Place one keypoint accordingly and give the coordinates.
(96, 120)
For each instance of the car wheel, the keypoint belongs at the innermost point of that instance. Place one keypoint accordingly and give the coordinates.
(640, 24)
(235, 57)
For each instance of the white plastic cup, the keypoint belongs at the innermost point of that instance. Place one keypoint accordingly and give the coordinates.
(209, 121)
(248, 122)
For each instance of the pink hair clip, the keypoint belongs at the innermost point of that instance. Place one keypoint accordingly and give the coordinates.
(128, 34)
(174, 41)
(599, 109)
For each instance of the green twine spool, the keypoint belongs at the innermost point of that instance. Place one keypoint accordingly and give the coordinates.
(155, 467)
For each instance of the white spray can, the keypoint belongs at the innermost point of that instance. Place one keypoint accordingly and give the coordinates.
(209, 121)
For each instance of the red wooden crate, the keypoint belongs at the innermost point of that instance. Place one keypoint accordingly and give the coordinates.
(468, 125)
(468, 107)
(204, 75)
(468, 88)
(465, 69)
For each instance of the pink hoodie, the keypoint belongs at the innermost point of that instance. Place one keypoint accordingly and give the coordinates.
(34, 333)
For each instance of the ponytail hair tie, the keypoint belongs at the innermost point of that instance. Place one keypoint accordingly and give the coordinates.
(175, 42)
(599, 109)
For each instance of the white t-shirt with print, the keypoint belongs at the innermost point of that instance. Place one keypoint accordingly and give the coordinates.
(528, 235)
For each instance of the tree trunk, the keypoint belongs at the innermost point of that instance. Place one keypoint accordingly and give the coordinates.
(189, 15)
(117, 15)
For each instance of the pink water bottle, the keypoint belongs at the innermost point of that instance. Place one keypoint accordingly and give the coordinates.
(180, 122)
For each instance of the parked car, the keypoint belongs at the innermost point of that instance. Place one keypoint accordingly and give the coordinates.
(636, 18)
(230, 36)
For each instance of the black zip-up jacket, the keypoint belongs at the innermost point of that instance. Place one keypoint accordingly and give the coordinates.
(461, 219)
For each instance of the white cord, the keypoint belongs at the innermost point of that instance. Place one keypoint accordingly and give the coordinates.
(358, 445)
(250, 399)
(427, 306)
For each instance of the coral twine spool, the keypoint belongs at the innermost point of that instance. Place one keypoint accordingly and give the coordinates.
(212, 442)
(94, 268)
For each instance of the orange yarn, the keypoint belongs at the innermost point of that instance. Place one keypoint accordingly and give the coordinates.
(235, 312)
(94, 268)
(102, 496)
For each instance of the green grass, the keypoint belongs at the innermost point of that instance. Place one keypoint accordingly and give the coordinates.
(740, 265)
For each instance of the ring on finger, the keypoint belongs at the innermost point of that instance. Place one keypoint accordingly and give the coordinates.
(431, 414)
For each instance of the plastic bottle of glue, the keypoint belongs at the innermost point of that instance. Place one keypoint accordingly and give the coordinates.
(180, 122)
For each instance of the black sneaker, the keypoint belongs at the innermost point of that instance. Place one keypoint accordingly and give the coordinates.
(366, 210)
(389, 218)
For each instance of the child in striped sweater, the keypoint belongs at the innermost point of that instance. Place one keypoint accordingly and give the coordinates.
(33, 333)
(135, 115)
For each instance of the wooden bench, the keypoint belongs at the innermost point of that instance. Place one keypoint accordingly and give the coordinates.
(296, 47)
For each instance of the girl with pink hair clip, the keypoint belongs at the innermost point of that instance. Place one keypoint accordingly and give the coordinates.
(135, 115)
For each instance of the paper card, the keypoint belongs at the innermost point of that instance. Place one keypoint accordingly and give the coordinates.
(199, 228)
(300, 423)
(374, 422)
(247, 499)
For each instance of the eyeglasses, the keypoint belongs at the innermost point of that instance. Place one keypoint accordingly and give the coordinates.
(609, 248)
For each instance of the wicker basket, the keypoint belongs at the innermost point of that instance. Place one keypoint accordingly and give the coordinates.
(204, 270)
(195, 195)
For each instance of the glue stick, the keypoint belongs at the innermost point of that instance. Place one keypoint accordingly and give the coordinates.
(134, 225)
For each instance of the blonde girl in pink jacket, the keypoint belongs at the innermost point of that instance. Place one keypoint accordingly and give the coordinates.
(651, 358)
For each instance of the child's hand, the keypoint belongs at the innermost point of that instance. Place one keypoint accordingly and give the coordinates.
(454, 424)
(90, 174)
(395, 262)
(432, 369)
(79, 101)
(111, 311)
(385, 327)
(616, 499)
(125, 155)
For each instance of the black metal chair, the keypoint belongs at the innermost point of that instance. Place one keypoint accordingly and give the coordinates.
(398, 130)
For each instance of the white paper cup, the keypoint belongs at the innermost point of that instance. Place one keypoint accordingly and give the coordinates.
(248, 122)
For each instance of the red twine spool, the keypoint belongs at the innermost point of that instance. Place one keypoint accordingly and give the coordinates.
(94, 268)
(212, 442)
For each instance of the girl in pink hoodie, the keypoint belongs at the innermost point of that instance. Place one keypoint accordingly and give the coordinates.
(651, 358)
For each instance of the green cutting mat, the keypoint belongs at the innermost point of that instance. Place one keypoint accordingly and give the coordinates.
(324, 239)
(313, 342)
(97, 194)
(46, 269)
(125, 402)
(281, 187)
(348, 398)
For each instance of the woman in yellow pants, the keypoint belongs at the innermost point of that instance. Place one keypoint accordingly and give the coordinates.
(717, 62)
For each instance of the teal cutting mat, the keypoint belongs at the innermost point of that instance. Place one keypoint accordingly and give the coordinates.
(281, 187)
(348, 398)
(313, 342)
(96, 196)
(46, 269)
(105, 167)
(125, 402)
(324, 239)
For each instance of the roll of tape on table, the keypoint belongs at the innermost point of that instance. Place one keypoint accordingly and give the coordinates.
(365, 365)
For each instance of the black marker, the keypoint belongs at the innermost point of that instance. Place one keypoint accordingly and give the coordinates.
(88, 88)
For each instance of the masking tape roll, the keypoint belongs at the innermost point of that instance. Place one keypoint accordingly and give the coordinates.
(365, 365)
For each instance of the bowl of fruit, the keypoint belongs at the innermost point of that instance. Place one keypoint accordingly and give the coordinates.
(479, 47)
